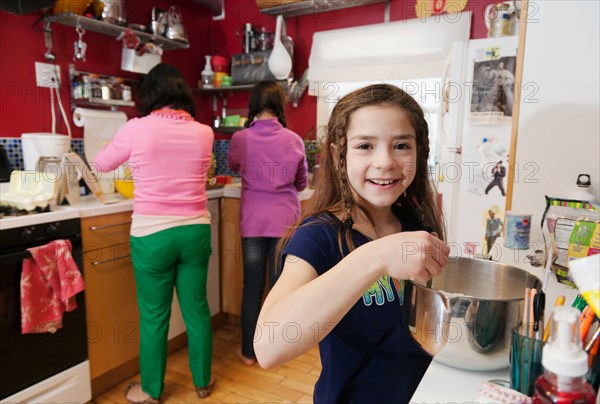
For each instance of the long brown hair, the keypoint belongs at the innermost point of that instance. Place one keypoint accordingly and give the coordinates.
(332, 192)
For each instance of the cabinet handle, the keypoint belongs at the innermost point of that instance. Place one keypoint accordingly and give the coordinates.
(94, 228)
(95, 263)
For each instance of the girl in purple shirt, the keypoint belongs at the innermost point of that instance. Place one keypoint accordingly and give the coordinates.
(272, 163)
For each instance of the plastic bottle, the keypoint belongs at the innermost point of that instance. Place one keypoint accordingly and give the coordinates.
(565, 363)
(582, 193)
(207, 74)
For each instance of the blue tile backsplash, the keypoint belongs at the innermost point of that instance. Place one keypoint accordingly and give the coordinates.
(220, 149)
(15, 152)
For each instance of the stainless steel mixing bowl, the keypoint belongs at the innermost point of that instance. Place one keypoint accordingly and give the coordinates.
(466, 317)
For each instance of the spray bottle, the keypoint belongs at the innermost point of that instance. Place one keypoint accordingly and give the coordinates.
(565, 363)
(207, 74)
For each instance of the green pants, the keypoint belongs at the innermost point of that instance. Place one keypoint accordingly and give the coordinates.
(173, 258)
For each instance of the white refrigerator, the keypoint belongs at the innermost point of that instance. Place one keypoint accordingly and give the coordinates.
(474, 136)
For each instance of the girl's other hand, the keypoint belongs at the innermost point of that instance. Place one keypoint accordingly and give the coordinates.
(416, 255)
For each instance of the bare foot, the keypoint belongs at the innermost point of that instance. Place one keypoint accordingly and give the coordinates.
(135, 394)
(245, 361)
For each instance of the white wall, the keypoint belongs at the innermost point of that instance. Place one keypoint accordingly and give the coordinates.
(559, 131)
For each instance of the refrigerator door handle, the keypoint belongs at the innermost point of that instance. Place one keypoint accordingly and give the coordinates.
(444, 107)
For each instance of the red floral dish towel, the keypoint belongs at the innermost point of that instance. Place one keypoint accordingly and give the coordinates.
(49, 282)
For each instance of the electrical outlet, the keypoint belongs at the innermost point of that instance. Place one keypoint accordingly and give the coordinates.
(47, 75)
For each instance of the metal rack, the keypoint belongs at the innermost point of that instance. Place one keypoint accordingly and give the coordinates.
(95, 101)
(221, 90)
(106, 28)
(315, 6)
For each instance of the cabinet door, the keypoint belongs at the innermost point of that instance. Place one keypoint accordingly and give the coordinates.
(232, 273)
(213, 283)
(111, 307)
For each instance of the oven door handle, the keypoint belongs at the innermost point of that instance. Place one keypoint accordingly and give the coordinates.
(10, 258)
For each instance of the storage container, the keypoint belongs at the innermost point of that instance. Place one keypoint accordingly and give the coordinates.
(132, 62)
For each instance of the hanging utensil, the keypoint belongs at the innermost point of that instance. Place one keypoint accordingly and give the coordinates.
(49, 55)
(280, 62)
(79, 45)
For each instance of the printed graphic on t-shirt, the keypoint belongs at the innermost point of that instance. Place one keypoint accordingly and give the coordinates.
(382, 291)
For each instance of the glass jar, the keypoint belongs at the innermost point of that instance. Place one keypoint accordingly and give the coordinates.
(95, 89)
(125, 92)
(115, 88)
(105, 92)
(76, 88)
(85, 86)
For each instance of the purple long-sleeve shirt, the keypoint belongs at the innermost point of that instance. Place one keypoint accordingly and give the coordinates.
(272, 163)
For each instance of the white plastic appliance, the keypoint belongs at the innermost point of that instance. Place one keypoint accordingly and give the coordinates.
(43, 144)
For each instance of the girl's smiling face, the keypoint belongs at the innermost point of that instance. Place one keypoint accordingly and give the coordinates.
(381, 154)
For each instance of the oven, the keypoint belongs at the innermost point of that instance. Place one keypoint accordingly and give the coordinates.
(40, 367)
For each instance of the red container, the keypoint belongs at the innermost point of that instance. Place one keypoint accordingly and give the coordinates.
(219, 63)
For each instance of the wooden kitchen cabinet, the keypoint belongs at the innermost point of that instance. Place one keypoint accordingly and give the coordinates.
(232, 275)
(213, 282)
(232, 270)
(111, 305)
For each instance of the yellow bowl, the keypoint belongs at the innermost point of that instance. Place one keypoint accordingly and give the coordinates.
(125, 188)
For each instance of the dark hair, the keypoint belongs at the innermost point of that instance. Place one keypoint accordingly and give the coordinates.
(165, 86)
(333, 194)
(267, 95)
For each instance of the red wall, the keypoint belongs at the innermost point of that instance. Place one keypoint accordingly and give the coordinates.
(25, 107)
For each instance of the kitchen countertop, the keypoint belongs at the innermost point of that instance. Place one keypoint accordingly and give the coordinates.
(445, 384)
(234, 191)
(89, 206)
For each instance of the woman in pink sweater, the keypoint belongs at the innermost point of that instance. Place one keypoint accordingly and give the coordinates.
(168, 153)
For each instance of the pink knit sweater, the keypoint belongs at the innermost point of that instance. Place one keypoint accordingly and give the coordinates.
(169, 160)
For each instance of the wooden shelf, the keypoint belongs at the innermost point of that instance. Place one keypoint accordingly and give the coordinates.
(315, 6)
(106, 28)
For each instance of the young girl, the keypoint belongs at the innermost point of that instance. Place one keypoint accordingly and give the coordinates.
(344, 264)
(272, 162)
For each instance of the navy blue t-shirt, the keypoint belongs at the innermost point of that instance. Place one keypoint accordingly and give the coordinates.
(370, 356)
